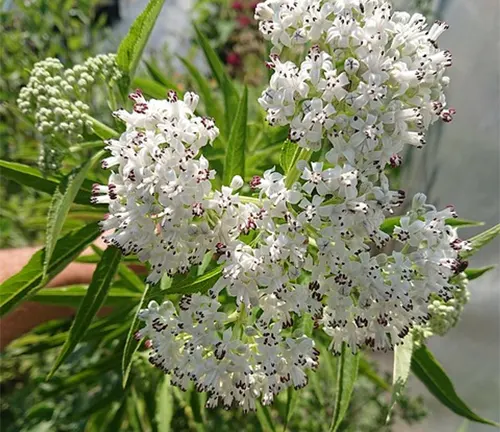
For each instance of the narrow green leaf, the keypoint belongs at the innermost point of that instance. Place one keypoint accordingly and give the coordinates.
(159, 77)
(29, 279)
(115, 423)
(367, 370)
(481, 240)
(347, 372)
(265, 419)
(200, 284)
(231, 101)
(293, 173)
(474, 273)
(102, 130)
(72, 296)
(128, 276)
(429, 371)
(391, 222)
(32, 177)
(164, 405)
(150, 88)
(131, 344)
(130, 50)
(197, 403)
(463, 223)
(235, 152)
(88, 145)
(290, 406)
(216, 66)
(276, 134)
(401, 370)
(62, 199)
(99, 330)
(212, 105)
(289, 155)
(91, 303)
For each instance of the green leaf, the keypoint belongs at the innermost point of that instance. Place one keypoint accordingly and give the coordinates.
(197, 403)
(62, 200)
(164, 405)
(32, 177)
(235, 152)
(130, 278)
(474, 273)
(367, 370)
(216, 66)
(159, 77)
(200, 284)
(481, 240)
(72, 296)
(130, 50)
(29, 279)
(290, 405)
(131, 344)
(150, 88)
(99, 330)
(462, 223)
(391, 222)
(276, 134)
(115, 423)
(294, 173)
(212, 105)
(102, 130)
(429, 371)
(347, 372)
(402, 365)
(289, 155)
(264, 417)
(91, 303)
(231, 101)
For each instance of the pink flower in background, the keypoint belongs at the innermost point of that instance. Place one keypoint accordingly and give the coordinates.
(237, 5)
(233, 59)
(244, 20)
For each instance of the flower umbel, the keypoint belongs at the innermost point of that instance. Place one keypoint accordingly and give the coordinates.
(309, 251)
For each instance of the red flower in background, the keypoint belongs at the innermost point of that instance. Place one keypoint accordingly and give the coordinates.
(244, 20)
(233, 59)
(237, 5)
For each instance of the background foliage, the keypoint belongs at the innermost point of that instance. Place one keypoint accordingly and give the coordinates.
(100, 378)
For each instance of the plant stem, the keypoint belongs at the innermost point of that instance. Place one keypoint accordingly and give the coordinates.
(294, 174)
(102, 130)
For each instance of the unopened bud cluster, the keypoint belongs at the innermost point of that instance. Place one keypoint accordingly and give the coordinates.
(444, 311)
(56, 97)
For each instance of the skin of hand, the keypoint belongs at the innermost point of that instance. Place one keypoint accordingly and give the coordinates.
(28, 314)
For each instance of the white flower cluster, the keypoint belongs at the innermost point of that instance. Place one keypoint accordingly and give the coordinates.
(372, 82)
(161, 204)
(163, 209)
(296, 252)
(235, 365)
(54, 96)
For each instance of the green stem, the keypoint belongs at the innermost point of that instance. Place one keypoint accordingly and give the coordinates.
(253, 200)
(294, 174)
(102, 130)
